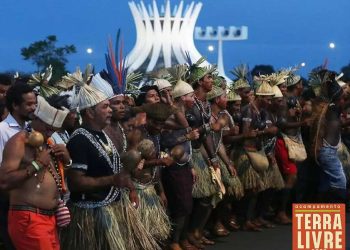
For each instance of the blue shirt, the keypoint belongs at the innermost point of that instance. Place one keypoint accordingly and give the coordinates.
(8, 128)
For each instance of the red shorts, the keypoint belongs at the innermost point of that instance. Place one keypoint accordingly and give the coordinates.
(286, 166)
(29, 230)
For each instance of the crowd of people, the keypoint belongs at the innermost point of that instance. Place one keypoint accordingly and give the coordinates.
(91, 162)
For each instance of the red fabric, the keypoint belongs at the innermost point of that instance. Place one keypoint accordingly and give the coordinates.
(33, 231)
(281, 152)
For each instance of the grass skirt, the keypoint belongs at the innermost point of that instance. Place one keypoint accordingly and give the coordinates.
(274, 177)
(232, 183)
(250, 178)
(344, 157)
(204, 186)
(113, 227)
(152, 213)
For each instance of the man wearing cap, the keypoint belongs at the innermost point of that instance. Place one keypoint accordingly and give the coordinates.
(116, 99)
(29, 160)
(294, 85)
(241, 84)
(273, 179)
(95, 180)
(252, 162)
(198, 116)
(165, 90)
(178, 178)
(218, 99)
(147, 180)
(156, 214)
(289, 123)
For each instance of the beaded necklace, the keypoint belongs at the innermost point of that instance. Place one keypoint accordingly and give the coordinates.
(56, 176)
(205, 110)
(40, 180)
(125, 142)
(107, 147)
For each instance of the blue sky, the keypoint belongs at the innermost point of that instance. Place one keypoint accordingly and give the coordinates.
(281, 32)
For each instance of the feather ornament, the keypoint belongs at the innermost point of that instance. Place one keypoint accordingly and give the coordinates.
(41, 80)
(116, 66)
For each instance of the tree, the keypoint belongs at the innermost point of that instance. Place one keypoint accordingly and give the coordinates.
(346, 71)
(262, 70)
(44, 53)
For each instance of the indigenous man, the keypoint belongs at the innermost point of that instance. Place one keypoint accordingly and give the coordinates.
(217, 98)
(21, 103)
(147, 178)
(149, 94)
(29, 170)
(114, 130)
(252, 162)
(204, 189)
(71, 121)
(178, 178)
(241, 84)
(325, 134)
(98, 220)
(165, 90)
(289, 123)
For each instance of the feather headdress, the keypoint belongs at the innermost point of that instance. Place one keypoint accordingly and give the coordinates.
(263, 86)
(41, 80)
(291, 77)
(116, 66)
(195, 72)
(241, 74)
(86, 96)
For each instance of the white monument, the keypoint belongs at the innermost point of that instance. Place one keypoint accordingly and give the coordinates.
(163, 37)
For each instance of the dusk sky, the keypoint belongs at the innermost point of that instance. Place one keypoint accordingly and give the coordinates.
(281, 33)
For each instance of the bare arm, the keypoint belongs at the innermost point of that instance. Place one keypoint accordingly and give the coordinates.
(223, 155)
(11, 176)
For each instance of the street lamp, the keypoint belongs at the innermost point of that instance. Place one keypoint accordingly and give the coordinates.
(221, 34)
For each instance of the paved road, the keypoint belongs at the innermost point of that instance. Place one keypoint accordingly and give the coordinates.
(279, 238)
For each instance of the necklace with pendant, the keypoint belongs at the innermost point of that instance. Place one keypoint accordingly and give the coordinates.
(40, 181)
(107, 147)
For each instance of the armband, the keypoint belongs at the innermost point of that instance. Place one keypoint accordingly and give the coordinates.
(36, 166)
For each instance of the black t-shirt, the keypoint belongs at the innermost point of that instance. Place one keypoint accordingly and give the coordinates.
(89, 155)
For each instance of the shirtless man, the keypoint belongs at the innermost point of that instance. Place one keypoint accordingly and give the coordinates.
(332, 183)
(289, 122)
(30, 175)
